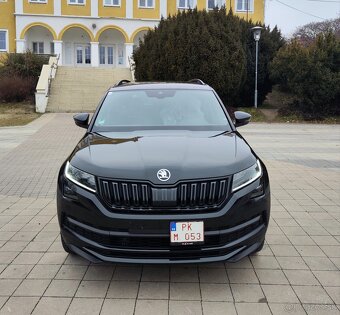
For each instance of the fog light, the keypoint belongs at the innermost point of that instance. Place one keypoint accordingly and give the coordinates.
(257, 192)
(69, 190)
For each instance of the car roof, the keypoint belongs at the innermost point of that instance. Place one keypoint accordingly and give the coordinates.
(160, 86)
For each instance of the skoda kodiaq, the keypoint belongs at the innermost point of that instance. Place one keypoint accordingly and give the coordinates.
(162, 176)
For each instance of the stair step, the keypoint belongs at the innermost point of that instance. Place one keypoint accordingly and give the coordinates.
(81, 89)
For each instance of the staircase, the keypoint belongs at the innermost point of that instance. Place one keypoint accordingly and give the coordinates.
(81, 89)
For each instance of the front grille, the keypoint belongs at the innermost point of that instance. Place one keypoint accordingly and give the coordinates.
(201, 194)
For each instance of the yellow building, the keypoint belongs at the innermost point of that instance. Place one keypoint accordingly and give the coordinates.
(95, 32)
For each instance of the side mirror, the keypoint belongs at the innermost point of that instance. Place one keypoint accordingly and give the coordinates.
(82, 120)
(241, 118)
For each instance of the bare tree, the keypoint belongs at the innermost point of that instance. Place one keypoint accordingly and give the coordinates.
(306, 34)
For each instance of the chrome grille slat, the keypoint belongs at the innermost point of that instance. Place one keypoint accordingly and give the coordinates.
(191, 195)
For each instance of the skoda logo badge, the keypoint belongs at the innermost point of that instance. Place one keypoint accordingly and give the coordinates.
(163, 175)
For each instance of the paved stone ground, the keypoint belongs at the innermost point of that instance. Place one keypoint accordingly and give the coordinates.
(296, 273)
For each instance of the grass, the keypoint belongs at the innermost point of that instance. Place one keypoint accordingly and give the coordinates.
(17, 114)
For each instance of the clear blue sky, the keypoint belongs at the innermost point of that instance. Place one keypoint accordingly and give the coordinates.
(287, 15)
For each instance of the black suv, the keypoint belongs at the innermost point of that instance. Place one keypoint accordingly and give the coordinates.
(162, 176)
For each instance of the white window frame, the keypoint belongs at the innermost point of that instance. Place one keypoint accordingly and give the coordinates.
(112, 4)
(75, 3)
(194, 4)
(38, 48)
(244, 9)
(38, 1)
(6, 40)
(223, 4)
(146, 5)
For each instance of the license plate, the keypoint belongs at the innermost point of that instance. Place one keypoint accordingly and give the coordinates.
(186, 233)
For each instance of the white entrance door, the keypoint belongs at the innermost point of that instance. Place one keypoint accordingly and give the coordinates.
(107, 55)
(83, 54)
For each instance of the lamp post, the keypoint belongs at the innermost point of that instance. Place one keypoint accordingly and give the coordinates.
(257, 35)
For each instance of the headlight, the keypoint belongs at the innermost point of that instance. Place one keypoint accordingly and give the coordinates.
(80, 178)
(247, 176)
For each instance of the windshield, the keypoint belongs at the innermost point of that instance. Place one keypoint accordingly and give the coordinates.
(161, 109)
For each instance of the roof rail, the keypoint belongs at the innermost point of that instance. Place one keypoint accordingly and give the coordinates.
(196, 81)
(121, 82)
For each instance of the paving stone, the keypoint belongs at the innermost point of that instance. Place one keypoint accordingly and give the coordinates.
(84, 306)
(184, 274)
(218, 308)
(123, 289)
(71, 272)
(242, 276)
(32, 287)
(27, 258)
(52, 306)
(328, 278)
(321, 309)
(153, 290)
(62, 288)
(147, 307)
(19, 305)
(312, 294)
(184, 291)
(311, 251)
(284, 250)
(252, 308)
(98, 272)
(44, 271)
(53, 258)
(334, 293)
(279, 294)
(213, 275)
(265, 262)
(92, 289)
(268, 276)
(16, 271)
(118, 306)
(319, 263)
(3, 300)
(185, 307)
(301, 277)
(156, 273)
(284, 309)
(127, 273)
(295, 263)
(8, 286)
(216, 292)
(248, 293)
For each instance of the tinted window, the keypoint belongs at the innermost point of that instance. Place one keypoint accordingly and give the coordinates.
(161, 108)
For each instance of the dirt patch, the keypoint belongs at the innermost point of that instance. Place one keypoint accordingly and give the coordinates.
(270, 114)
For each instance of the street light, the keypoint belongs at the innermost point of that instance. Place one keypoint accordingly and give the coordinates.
(257, 35)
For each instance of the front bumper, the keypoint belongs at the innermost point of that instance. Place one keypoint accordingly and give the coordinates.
(100, 235)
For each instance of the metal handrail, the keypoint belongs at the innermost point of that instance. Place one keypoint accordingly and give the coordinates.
(54, 66)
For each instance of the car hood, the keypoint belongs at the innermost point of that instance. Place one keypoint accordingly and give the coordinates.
(139, 155)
